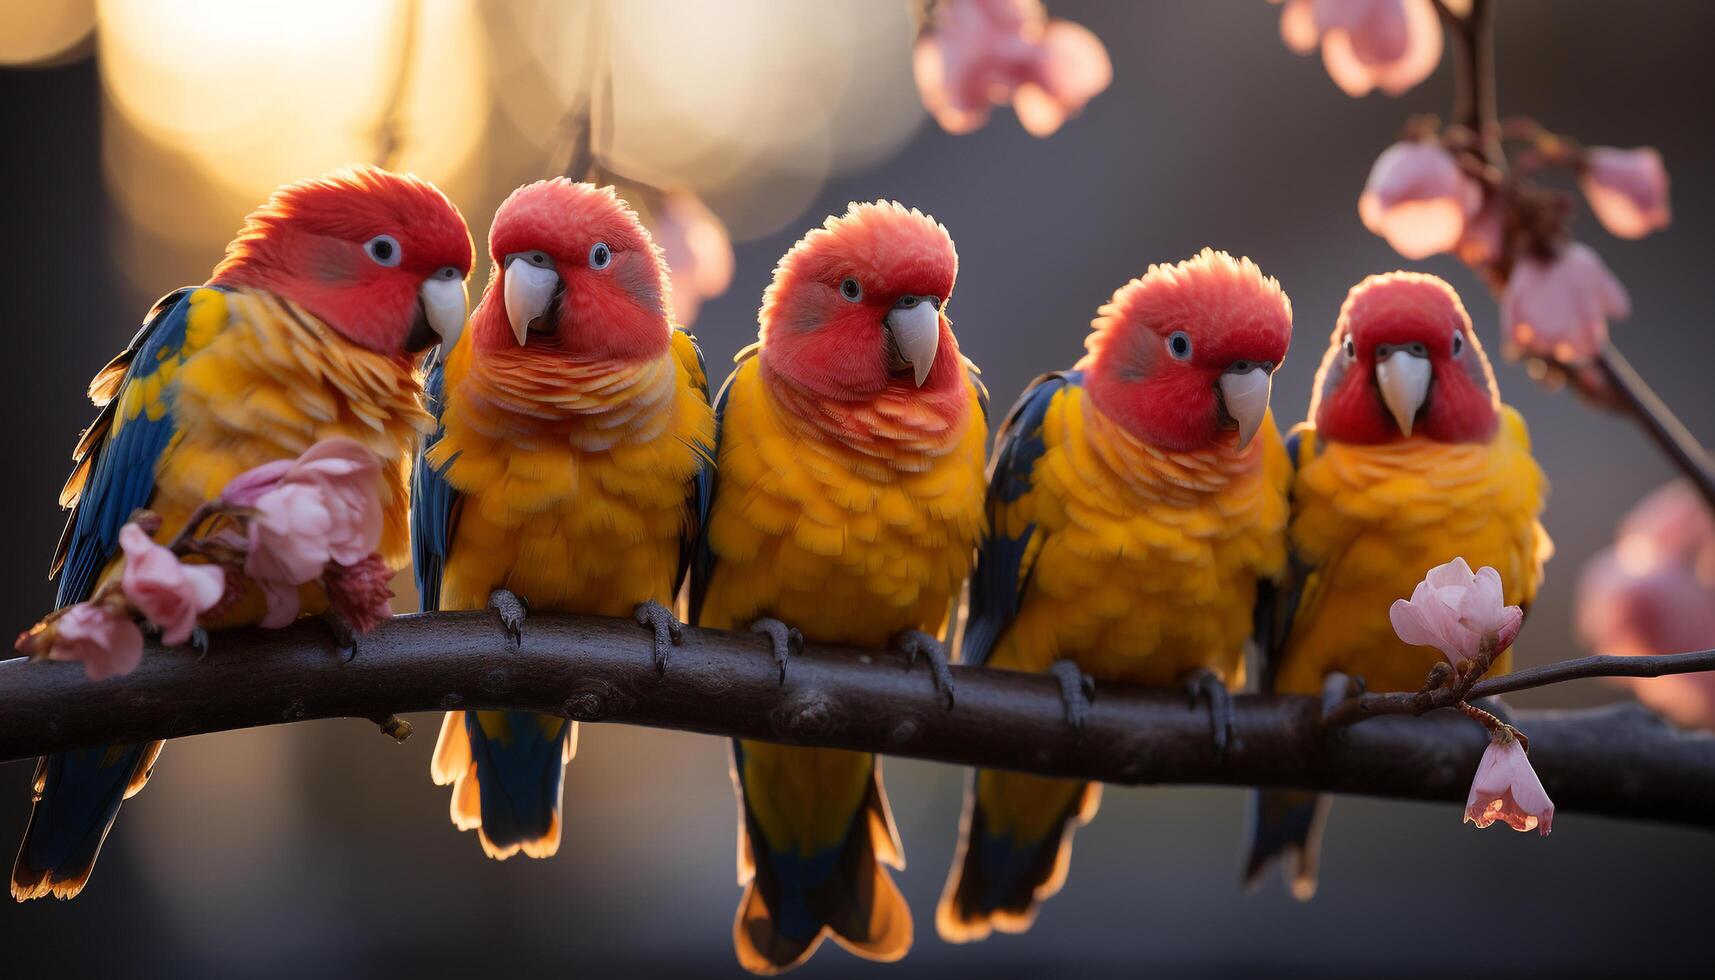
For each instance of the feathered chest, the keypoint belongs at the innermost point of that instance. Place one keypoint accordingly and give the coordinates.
(527, 436)
(271, 382)
(810, 527)
(1112, 499)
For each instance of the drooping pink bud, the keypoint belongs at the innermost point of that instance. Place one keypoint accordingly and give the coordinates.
(1418, 199)
(1627, 190)
(1506, 788)
(1367, 44)
(975, 54)
(168, 592)
(1559, 308)
(1456, 611)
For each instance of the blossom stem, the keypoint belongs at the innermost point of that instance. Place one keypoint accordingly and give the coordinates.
(1663, 426)
(184, 542)
(1371, 705)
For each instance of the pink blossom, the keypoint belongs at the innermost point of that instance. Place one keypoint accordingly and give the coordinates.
(1367, 44)
(1418, 199)
(1559, 308)
(1506, 788)
(323, 507)
(698, 252)
(1627, 189)
(1654, 592)
(104, 639)
(1455, 611)
(359, 592)
(168, 592)
(974, 54)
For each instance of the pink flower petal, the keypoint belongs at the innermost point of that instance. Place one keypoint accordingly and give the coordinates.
(106, 642)
(1417, 198)
(1627, 190)
(1506, 788)
(1560, 308)
(169, 593)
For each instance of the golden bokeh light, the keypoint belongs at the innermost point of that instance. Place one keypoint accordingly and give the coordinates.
(259, 95)
(43, 32)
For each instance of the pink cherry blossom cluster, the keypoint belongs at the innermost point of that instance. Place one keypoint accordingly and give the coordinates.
(1464, 615)
(972, 55)
(1454, 189)
(281, 526)
(1654, 592)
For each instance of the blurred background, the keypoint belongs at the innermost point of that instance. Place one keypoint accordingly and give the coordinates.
(142, 131)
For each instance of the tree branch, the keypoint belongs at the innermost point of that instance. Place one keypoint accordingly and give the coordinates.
(1620, 761)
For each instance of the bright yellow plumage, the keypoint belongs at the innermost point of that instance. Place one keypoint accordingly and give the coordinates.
(261, 380)
(850, 547)
(573, 477)
(1369, 521)
(1144, 563)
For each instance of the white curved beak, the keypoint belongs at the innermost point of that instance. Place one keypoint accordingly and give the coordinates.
(1404, 382)
(529, 290)
(916, 335)
(1245, 395)
(445, 305)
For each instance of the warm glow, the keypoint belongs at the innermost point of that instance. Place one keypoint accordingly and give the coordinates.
(750, 104)
(230, 85)
(39, 31)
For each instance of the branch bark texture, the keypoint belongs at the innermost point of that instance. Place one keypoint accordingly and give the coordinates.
(1620, 761)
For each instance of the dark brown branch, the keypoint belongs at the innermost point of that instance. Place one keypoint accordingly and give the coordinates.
(1621, 761)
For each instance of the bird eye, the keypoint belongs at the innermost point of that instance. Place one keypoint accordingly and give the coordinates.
(1351, 348)
(1458, 342)
(449, 273)
(384, 250)
(1179, 345)
(850, 289)
(600, 255)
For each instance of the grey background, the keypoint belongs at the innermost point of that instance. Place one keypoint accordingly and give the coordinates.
(323, 849)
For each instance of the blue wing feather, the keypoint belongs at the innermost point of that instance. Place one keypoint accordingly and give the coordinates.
(127, 451)
(703, 561)
(700, 492)
(433, 503)
(1277, 601)
(1000, 577)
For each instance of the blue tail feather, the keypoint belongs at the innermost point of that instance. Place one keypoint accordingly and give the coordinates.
(520, 779)
(78, 797)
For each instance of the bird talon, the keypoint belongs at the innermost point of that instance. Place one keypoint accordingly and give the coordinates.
(669, 632)
(782, 639)
(344, 637)
(199, 642)
(915, 644)
(512, 611)
(1077, 690)
(1204, 684)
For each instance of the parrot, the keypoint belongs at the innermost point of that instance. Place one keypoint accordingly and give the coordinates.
(570, 473)
(1407, 460)
(1136, 504)
(306, 330)
(847, 504)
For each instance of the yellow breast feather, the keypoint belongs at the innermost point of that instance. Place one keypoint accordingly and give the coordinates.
(834, 539)
(1369, 521)
(1143, 563)
(573, 476)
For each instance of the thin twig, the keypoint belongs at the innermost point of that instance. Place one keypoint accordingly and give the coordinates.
(390, 133)
(1669, 433)
(1449, 695)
